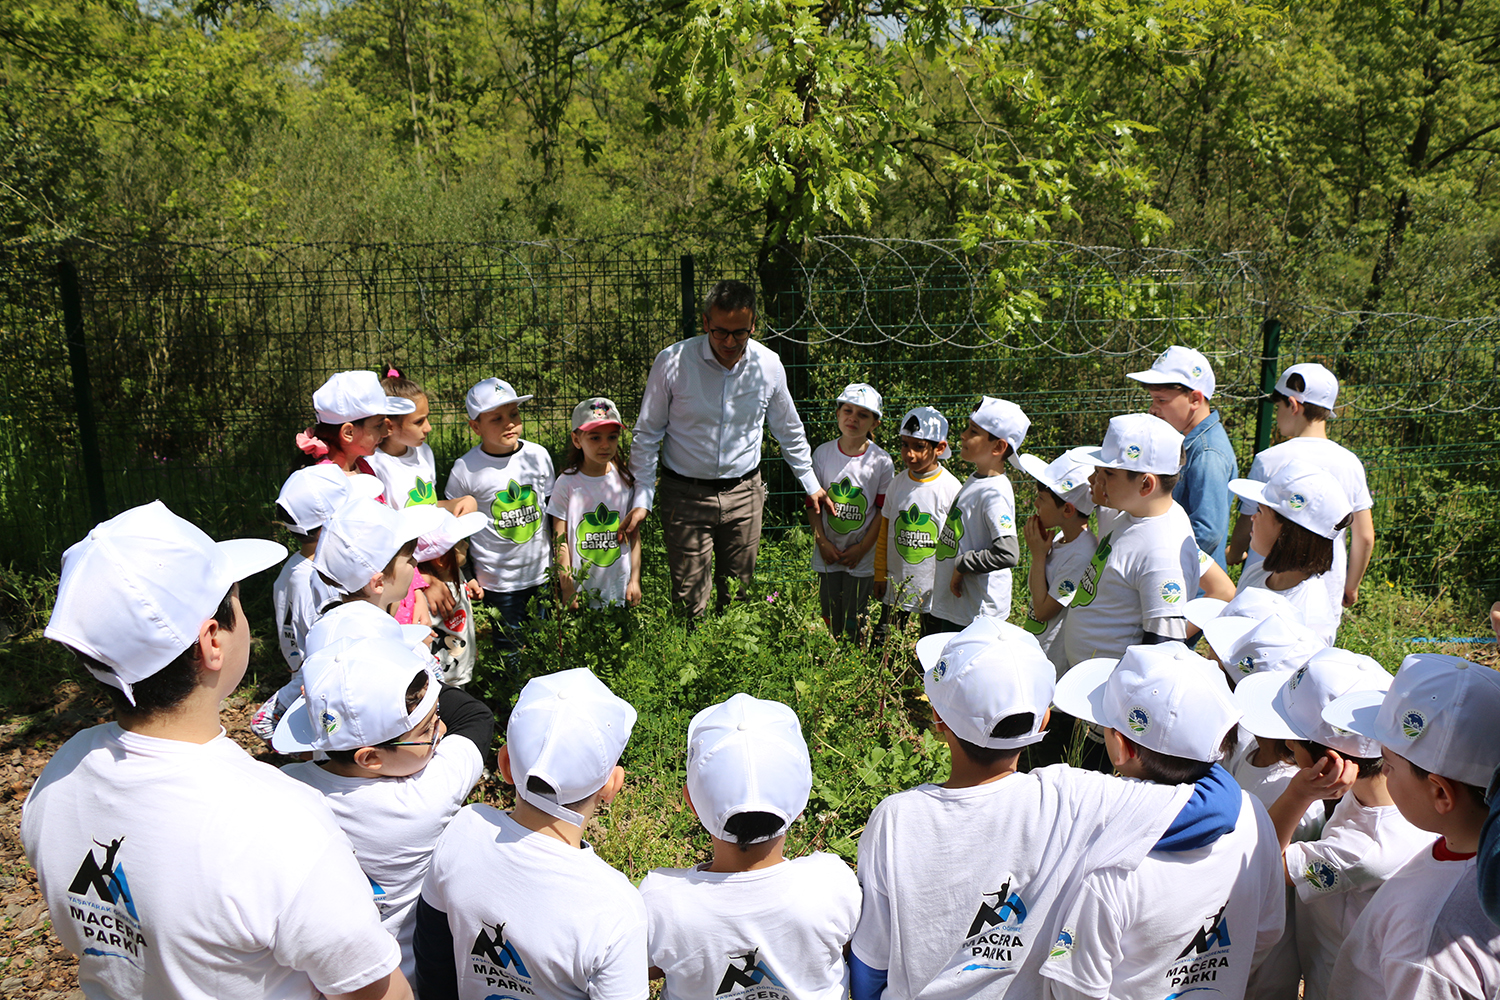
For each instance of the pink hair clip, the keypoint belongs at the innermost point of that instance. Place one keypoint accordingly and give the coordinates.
(392, 373)
(316, 447)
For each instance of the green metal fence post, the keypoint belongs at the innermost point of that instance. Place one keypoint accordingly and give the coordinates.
(78, 361)
(1270, 351)
(689, 299)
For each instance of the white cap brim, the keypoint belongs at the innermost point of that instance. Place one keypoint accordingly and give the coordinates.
(1222, 633)
(1251, 489)
(930, 648)
(1035, 468)
(1152, 377)
(295, 733)
(248, 556)
(1356, 712)
(1202, 610)
(1258, 697)
(1080, 691)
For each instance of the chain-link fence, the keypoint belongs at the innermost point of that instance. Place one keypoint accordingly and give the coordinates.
(183, 371)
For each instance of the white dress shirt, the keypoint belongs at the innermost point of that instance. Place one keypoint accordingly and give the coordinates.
(707, 421)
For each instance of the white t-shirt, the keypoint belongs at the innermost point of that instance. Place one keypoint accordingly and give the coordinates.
(512, 552)
(963, 887)
(773, 934)
(857, 484)
(1337, 461)
(297, 597)
(1066, 564)
(1142, 573)
(455, 658)
(190, 870)
(410, 478)
(394, 823)
(533, 917)
(1337, 875)
(1309, 597)
(914, 516)
(592, 507)
(1184, 919)
(984, 510)
(1423, 937)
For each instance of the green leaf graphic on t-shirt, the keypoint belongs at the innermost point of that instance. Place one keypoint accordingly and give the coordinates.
(517, 512)
(952, 533)
(916, 535)
(1090, 583)
(598, 536)
(423, 492)
(850, 506)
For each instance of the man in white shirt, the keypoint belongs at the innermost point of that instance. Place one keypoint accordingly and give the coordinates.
(707, 403)
(174, 865)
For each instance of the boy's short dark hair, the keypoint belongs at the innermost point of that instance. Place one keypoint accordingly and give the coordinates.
(414, 693)
(1164, 769)
(730, 296)
(1296, 383)
(1007, 728)
(746, 827)
(169, 686)
(1166, 483)
(1297, 548)
(1475, 792)
(1369, 767)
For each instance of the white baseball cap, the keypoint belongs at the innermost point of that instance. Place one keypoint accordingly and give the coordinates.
(1303, 493)
(135, 591)
(361, 620)
(489, 394)
(354, 695)
(450, 530)
(1285, 706)
(312, 494)
(569, 730)
(1139, 442)
(1252, 602)
(350, 396)
(1164, 697)
(1439, 713)
(926, 424)
(596, 411)
(1273, 644)
(861, 394)
(363, 536)
(988, 672)
(1003, 419)
(747, 755)
(1067, 476)
(1320, 386)
(1180, 366)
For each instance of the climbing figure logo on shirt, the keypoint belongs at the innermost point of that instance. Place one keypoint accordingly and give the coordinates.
(1201, 967)
(497, 960)
(517, 513)
(952, 534)
(994, 936)
(849, 506)
(422, 492)
(916, 535)
(107, 920)
(1090, 583)
(750, 971)
(599, 536)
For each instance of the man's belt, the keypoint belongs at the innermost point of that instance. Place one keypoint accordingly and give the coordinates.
(716, 485)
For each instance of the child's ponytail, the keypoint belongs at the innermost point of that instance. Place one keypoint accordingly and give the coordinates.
(397, 384)
(313, 442)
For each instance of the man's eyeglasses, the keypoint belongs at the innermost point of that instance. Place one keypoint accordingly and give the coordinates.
(437, 735)
(722, 334)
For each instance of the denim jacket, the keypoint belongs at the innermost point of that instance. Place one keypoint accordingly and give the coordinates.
(1203, 488)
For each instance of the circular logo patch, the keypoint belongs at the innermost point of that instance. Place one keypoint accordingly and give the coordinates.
(1413, 723)
(1134, 451)
(939, 669)
(1296, 501)
(1197, 371)
(1066, 587)
(1064, 945)
(1171, 592)
(330, 722)
(1006, 521)
(1246, 665)
(1321, 875)
(1066, 485)
(1138, 720)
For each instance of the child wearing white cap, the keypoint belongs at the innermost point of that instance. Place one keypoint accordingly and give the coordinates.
(351, 408)
(963, 882)
(1145, 567)
(1300, 511)
(518, 903)
(915, 512)
(402, 753)
(441, 556)
(173, 864)
(595, 558)
(1207, 904)
(511, 479)
(1424, 934)
(750, 919)
(1181, 384)
(1366, 840)
(857, 473)
(978, 543)
(1304, 398)
(1060, 543)
(366, 550)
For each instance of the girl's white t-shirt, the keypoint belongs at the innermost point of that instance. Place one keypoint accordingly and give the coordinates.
(297, 599)
(984, 510)
(593, 507)
(394, 823)
(1338, 874)
(1309, 597)
(915, 513)
(1066, 564)
(514, 549)
(532, 916)
(773, 934)
(1182, 920)
(857, 484)
(410, 478)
